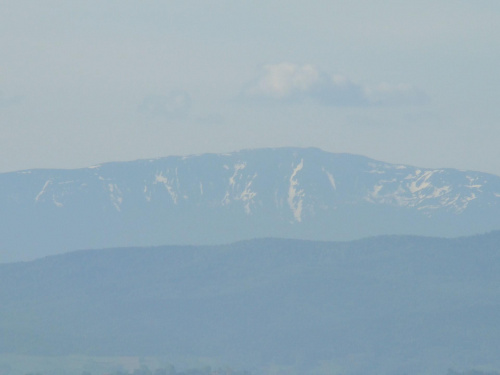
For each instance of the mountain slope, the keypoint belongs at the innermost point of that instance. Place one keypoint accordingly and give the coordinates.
(384, 305)
(217, 198)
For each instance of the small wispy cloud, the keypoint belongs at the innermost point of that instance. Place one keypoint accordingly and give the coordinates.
(174, 105)
(287, 82)
(387, 94)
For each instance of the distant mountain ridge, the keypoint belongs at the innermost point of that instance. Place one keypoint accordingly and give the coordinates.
(219, 198)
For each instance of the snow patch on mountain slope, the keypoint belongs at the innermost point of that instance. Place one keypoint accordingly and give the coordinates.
(168, 184)
(421, 181)
(245, 195)
(229, 194)
(238, 192)
(116, 196)
(48, 185)
(375, 196)
(472, 183)
(56, 202)
(238, 167)
(330, 178)
(147, 193)
(43, 191)
(295, 196)
(423, 190)
(376, 190)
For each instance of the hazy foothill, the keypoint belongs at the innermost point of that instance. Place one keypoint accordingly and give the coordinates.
(385, 305)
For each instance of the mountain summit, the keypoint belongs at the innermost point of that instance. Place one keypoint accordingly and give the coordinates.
(216, 198)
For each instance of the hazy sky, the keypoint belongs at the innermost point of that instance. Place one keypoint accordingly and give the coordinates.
(83, 82)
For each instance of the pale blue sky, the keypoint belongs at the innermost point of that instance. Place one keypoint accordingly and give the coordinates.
(83, 82)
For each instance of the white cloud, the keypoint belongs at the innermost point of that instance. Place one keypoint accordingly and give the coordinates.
(287, 82)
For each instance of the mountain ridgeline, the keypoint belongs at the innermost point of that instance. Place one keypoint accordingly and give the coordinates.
(220, 198)
(385, 305)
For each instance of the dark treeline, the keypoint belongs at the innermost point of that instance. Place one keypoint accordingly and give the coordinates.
(472, 372)
(169, 370)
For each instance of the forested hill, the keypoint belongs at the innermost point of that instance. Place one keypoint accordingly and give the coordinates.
(389, 304)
